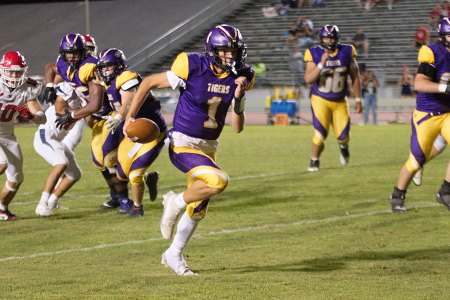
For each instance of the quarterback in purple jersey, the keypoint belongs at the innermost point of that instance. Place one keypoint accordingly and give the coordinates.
(327, 69)
(431, 116)
(209, 84)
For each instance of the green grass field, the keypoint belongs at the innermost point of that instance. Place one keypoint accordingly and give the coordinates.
(277, 232)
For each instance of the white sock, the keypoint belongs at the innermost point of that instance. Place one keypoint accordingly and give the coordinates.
(314, 158)
(52, 201)
(44, 198)
(179, 201)
(2, 207)
(185, 228)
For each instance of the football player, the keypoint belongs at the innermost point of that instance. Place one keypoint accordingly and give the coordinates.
(56, 140)
(327, 69)
(108, 144)
(431, 116)
(18, 95)
(209, 84)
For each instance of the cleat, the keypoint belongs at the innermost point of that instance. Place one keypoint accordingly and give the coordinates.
(137, 211)
(151, 180)
(417, 179)
(177, 264)
(6, 215)
(125, 206)
(111, 204)
(43, 210)
(313, 166)
(169, 216)
(397, 201)
(443, 199)
(345, 155)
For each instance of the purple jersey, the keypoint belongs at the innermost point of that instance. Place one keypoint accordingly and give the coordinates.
(150, 109)
(204, 102)
(332, 82)
(439, 57)
(77, 77)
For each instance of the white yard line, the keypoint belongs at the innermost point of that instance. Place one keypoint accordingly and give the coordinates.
(216, 232)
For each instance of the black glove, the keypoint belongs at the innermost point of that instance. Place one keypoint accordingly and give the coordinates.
(63, 119)
(48, 95)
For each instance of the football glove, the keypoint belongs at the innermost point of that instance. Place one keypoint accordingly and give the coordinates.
(63, 119)
(112, 122)
(48, 95)
(24, 112)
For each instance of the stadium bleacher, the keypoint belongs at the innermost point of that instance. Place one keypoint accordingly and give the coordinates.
(390, 33)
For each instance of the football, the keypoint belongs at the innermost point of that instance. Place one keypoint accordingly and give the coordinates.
(142, 131)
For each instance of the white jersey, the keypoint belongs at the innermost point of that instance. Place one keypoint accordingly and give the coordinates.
(65, 91)
(9, 99)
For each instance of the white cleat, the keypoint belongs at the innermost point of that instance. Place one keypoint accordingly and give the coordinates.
(169, 216)
(43, 210)
(417, 179)
(177, 264)
(52, 204)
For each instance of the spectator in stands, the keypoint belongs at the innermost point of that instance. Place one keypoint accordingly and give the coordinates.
(300, 33)
(296, 66)
(370, 85)
(361, 42)
(421, 37)
(406, 83)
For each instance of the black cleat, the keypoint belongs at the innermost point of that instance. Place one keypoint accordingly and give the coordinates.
(443, 199)
(111, 204)
(137, 211)
(397, 201)
(151, 180)
(313, 166)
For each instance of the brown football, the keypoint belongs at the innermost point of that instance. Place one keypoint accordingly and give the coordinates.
(143, 131)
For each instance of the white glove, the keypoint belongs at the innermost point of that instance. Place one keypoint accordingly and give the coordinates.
(112, 122)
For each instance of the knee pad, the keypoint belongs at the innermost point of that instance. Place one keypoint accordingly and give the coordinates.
(197, 210)
(213, 177)
(136, 180)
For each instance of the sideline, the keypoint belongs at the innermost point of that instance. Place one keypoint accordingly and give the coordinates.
(216, 232)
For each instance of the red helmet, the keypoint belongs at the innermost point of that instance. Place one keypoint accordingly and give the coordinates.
(91, 45)
(13, 62)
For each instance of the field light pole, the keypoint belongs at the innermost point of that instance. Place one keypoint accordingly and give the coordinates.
(86, 16)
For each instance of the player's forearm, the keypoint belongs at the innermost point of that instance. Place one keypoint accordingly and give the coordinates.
(237, 122)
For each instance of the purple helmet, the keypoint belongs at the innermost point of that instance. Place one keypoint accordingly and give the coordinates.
(111, 57)
(73, 42)
(443, 30)
(226, 36)
(329, 31)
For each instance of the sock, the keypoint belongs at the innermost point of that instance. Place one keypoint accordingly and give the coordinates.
(179, 201)
(343, 146)
(398, 193)
(2, 207)
(112, 192)
(44, 198)
(185, 228)
(314, 158)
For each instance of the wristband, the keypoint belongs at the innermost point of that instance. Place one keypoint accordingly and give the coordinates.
(357, 99)
(320, 66)
(118, 117)
(50, 85)
(72, 114)
(442, 88)
(39, 114)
